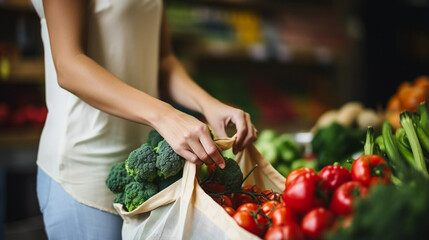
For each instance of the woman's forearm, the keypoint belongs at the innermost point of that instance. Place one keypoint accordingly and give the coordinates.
(98, 87)
(181, 88)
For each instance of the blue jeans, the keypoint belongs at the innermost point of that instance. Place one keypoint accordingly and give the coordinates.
(65, 218)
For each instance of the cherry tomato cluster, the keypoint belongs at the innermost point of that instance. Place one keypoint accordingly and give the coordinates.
(311, 204)
(321, 200)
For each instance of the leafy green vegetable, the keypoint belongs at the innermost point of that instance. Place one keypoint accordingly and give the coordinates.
(266, 145)
(391, 212)
(300, 163)
(335, 143)
(287, 148)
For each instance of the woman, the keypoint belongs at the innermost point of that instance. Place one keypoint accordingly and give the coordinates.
(103, 59)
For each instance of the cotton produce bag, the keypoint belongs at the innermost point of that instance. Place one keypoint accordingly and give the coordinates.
(184, 211)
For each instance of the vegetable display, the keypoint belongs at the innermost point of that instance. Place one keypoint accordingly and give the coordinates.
(383, 193)
(148, 169)
(396, 206)
(283, 151)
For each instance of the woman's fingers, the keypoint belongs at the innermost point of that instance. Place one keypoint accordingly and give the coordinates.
(197, 146)
(189, 156)
(220, 131)
(200, 152)
(242, 128)
(251, 133)
(212, 151)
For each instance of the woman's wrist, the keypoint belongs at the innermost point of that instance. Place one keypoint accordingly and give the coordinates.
(158, 112)
(209, 105)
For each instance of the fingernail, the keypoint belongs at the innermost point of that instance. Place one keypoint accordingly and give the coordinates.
(222, 165)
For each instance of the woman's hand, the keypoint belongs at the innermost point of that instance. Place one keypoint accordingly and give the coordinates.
(220, 115)
(189, 137)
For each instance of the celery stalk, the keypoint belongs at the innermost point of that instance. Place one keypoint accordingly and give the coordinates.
(407, 125)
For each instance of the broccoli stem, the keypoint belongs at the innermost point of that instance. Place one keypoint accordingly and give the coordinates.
(248, 174)
(407, 124)
(368, 148)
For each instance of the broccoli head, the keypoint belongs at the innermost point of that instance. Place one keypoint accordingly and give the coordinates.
(168, 162)
(137, 193)
(153, 138)
(163, 183)
(118, 178)
(141, 163)
(231, 177)
(120, 198)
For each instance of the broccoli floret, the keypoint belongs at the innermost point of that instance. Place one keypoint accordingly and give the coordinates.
(120, 198)
(336, 143)
(168, 162)
(137, 193)
(231, 176)
(163, 183)
(153, 138)
(118, 178)
(141, 163)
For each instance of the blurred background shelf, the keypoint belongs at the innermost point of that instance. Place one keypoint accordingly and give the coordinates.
(20, 136)
(20, 71)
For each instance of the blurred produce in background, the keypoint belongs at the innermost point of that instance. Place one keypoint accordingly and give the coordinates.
(270, 60)
(407, 97)
(286, 151)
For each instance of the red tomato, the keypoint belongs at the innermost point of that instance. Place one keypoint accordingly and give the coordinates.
(333, 176)
(223, 200)
(251, 188)
(213, 187)
(295, 173)
(283, 215)
(246, 220)
(241, 198)
(345, 195)
(272, 195)
(269, 206)
(304, 193)
(316, 222)
(229, 210)
(252, 207)
(289, 231)
(370, 169)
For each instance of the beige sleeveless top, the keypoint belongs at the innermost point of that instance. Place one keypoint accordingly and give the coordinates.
(80, 143)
